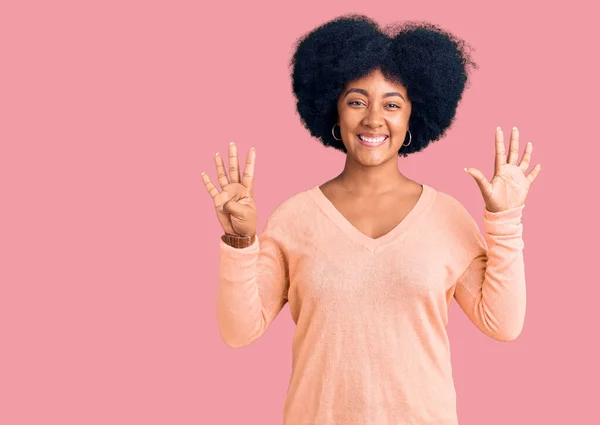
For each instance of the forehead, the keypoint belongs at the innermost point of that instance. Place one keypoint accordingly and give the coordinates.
(375, 82)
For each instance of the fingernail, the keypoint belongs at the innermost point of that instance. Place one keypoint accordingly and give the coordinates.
(231, 143)
(515, 129)
(498, 128)
(217, 154)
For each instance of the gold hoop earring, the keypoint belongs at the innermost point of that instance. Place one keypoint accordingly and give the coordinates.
(409, 140)
(333, 133)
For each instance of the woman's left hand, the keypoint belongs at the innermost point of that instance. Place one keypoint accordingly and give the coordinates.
(509, 187)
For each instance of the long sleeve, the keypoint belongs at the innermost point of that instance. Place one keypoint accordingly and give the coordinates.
(491, 291)
(253, 285)
(370, 343)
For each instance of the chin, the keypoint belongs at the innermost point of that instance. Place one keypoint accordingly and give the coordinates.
(372, 160)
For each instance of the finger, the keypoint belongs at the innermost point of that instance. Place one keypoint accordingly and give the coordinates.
(221, 174)
(513, 154)
(500, 152)
(482, 182)
(534, 173)
(234, 208)
(210, 188)
(526, 160)
(248, 177)
(234, 167)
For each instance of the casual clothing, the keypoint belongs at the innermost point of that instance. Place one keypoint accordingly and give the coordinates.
(370, 344)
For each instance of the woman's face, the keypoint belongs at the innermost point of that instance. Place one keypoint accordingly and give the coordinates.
(373, 108)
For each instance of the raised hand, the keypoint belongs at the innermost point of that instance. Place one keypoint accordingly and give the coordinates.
(510, 185)
(234, 205)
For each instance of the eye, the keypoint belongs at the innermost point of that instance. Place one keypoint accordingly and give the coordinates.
(358, 102)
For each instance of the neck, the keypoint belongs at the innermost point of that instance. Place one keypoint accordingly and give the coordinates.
(361, 180)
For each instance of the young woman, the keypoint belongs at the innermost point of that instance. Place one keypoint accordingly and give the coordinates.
(370, 260)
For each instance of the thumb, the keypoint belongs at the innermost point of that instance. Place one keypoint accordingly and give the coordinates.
(234, 208)
(479, 179)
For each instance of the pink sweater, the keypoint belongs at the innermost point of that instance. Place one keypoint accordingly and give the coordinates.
(370, 345)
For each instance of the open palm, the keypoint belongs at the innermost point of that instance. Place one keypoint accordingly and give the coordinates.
(234, 205)
(510, 185)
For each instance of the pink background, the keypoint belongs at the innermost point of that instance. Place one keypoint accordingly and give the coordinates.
(111, 110)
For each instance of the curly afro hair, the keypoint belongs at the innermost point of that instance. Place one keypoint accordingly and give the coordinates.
(429, 62)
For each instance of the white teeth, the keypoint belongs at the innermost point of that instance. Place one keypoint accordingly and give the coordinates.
(369, 140)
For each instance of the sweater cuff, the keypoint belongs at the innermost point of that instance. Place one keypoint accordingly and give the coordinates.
(507, 222)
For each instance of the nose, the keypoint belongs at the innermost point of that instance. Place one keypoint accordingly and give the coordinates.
(373, 117)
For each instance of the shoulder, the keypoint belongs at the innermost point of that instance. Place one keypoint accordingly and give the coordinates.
(455, 220)
(290, 214)
(452, 208)
(292, 205)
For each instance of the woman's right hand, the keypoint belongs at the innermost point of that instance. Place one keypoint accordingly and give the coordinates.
(234, 205)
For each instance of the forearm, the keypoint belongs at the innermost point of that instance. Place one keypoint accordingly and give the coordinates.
(492, 291)
(250, 292)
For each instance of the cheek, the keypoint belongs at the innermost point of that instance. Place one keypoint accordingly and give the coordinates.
(399, 122)
(350, 115)
(404, 117)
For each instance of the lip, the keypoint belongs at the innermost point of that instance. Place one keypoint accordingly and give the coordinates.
(372, 145)
(373, 135)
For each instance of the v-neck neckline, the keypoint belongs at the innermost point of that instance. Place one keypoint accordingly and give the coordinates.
(373, 244)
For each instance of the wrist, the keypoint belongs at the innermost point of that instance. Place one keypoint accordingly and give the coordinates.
(238, 241)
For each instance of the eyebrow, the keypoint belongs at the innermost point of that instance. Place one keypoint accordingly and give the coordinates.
(361, 91)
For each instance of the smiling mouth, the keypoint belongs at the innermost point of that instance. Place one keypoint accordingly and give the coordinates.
(371, 142)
